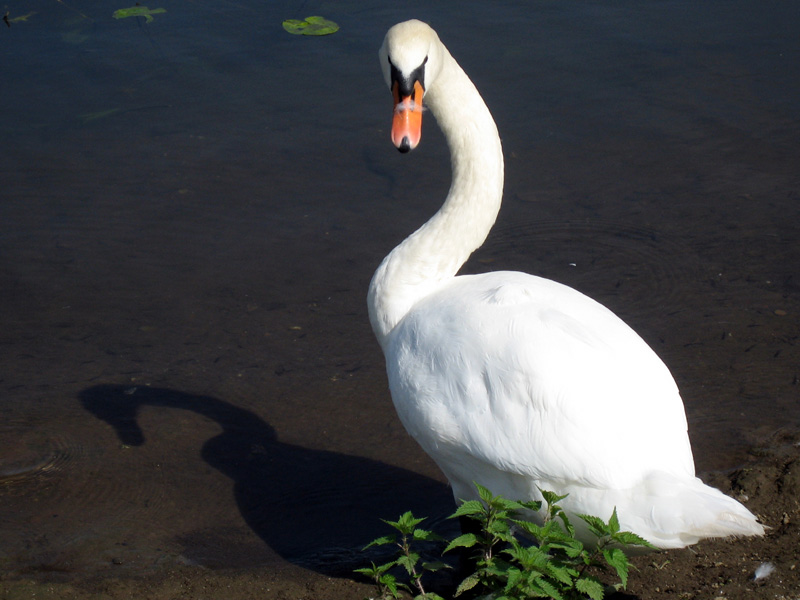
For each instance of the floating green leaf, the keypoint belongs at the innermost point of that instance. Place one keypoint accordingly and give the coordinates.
(20, 19)
(138, 11)
(311, 26)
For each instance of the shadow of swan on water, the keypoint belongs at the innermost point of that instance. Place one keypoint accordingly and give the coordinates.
(314, 508)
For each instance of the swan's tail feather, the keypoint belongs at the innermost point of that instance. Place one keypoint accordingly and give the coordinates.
(693, 511)
(738, 523)
(727, 524)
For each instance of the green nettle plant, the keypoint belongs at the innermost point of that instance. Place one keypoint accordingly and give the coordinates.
(407, 558)
(548, 562)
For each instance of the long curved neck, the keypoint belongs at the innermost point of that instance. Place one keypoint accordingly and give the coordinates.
(435, 252)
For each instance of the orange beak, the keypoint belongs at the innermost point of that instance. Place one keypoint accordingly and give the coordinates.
(407, 119)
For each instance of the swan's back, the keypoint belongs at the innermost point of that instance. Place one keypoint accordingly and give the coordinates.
(535, 378)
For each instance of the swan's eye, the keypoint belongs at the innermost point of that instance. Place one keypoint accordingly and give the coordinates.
(406, 83)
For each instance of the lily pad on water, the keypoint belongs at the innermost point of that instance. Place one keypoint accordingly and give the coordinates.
(138, 11)
(311, 26)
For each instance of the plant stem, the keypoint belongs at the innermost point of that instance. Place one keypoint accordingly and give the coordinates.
(589, 563)
(405, 547)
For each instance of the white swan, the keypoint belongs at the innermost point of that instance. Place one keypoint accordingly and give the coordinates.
(514, 381)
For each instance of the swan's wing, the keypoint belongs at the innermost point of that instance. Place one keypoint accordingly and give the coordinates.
(533, 378)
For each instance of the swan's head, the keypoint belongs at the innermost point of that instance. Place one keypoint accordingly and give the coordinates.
(411, 58)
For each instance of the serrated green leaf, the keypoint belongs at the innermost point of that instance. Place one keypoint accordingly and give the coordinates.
(517, 551)
(561, 573)
(409, 519)
(533, 505)
(384, 567)
(484, 493)
(371, 572)
(466, 540)
(436, 565)
(552, 531)
(408, 562)
(498, 515)
(546, 589)
(530, 528)
(515, 576)
(468, 509)
(551, 497)
(467, 584)
(395, 524)
(390, 583)
(506, 504)
(571, 547)
(497, 528)
(613, 522)
(631, 539)
(617, 559)
(497, 568)
(596, 525)
(591, 587)
(381, 541)
(424, 535)
(406, 523)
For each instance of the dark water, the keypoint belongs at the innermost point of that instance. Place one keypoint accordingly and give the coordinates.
(191, 210)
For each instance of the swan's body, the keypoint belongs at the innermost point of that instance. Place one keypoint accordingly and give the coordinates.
(513, 381)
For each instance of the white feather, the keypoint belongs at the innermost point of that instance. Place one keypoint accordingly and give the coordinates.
(764, 570)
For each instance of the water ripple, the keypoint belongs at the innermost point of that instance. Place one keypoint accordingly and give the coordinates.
(651, 272)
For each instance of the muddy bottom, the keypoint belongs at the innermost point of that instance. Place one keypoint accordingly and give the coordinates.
(769, 483)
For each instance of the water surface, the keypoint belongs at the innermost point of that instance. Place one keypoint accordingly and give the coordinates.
(192, 209)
